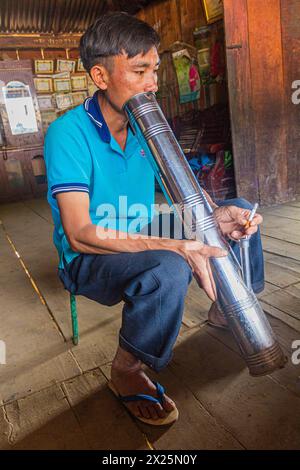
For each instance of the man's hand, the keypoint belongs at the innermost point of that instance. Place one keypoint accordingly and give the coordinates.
(83, 238)
(197, 255)
(232, 221)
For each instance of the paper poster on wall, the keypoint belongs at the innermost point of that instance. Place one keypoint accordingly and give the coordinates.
(187, 75)
(20, 109)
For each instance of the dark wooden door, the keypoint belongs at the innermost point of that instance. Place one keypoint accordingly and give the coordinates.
(263, 60)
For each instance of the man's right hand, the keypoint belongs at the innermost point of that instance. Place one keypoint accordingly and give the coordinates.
(83, 238)
(197, 255)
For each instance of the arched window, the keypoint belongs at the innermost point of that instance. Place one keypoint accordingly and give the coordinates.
(39, 169)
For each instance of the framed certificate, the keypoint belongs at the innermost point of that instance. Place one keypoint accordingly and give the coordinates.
(91, 87)
(213, 10)
(65, 65)
(43, 66)
(62, 85)
(43, 85)
(47, 118)
(64, 101)
(45, 102)
(80, 67)
(55, 75)
(79, 97)
(61, 75)
(78, 82)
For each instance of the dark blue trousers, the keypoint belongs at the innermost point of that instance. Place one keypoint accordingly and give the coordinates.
(153, 285)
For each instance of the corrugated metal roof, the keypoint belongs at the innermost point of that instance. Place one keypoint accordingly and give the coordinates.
(58, 16)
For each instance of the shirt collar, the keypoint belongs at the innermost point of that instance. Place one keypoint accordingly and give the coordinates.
(92, 108)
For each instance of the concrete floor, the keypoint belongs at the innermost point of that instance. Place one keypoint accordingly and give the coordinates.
(53, 395)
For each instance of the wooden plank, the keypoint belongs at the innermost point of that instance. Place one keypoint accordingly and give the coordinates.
(288, 377)
(96, 410)
(98, 343)
(176, 13)
(247, 407)
(284, 301)
(286, 210)
(166, 14)
(280, 276)
(36, 353)
(195, 429)
(290, 265)
(197, 305)
(37, 41)
(277, 313)
(294, 290)
(267, 78)
(280, 247)
(269, 288)
(191, 17)
(281, 228)
(240, 98)
(155, 15)
(44, 421)
(290, 20)
(285, 334)
(41, 207)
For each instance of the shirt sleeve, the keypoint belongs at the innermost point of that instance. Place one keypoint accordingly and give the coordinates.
(67, 159)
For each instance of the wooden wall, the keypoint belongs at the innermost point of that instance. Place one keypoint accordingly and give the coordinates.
(174, 20)
(263, 59)
(290, 20)
(35, 46)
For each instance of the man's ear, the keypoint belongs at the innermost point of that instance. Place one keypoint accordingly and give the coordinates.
(100, 76)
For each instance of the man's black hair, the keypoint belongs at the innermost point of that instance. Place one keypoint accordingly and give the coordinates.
(115, 33)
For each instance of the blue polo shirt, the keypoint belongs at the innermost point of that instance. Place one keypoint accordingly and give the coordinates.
(81, 155)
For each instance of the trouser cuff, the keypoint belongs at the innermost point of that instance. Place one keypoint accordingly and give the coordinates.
(156, 363)
(258, 287)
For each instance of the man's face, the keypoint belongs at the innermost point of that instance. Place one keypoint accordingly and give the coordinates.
(131, 76)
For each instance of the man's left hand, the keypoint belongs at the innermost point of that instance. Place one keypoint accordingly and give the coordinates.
(232, 221)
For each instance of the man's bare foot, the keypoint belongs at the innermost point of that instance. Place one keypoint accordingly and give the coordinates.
(216, 318)
(128, 378)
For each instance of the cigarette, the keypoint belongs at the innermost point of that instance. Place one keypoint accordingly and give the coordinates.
(251, 216)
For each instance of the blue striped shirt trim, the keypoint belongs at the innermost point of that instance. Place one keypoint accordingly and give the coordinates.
(86, 107)
(93, 110)
(69, 187)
